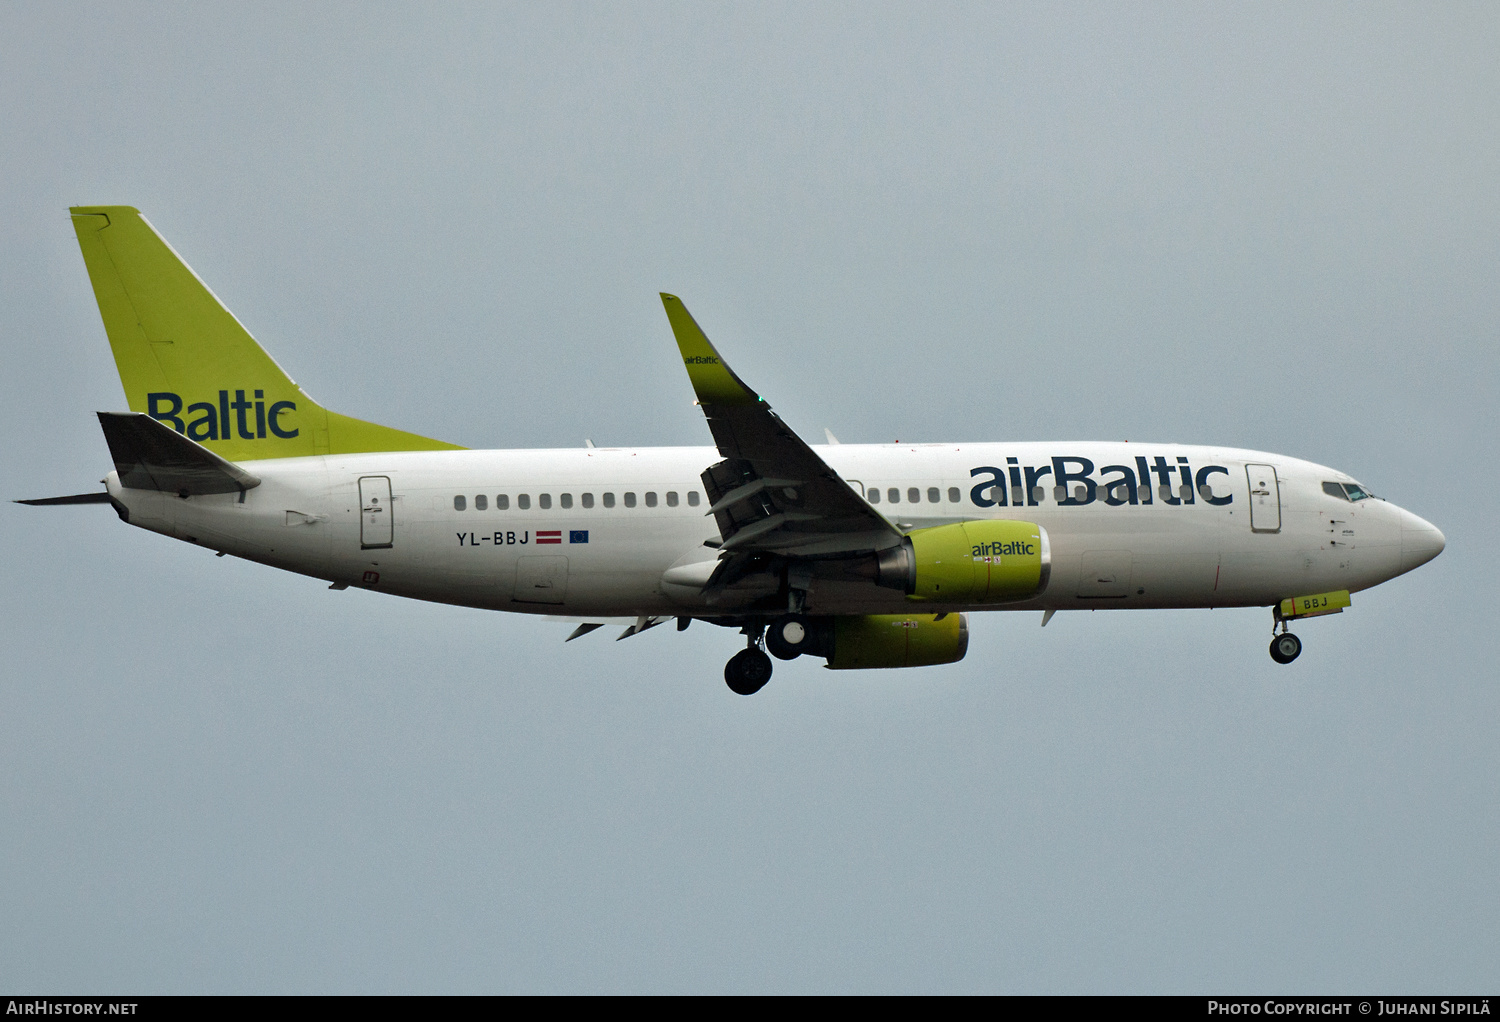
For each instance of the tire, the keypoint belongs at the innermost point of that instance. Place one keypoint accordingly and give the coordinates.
(789, 637)
(1285, 648)
(747, 672)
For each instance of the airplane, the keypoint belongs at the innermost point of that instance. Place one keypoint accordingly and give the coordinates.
(868, 556)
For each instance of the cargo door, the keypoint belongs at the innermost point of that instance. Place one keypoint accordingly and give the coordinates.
(375, 525)
(1105, 575)
(1265, 498)
(541, 579)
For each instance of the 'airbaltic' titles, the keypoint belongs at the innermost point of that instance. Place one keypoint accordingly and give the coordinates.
(1117, 484)
(214, 423)
(1017, 548)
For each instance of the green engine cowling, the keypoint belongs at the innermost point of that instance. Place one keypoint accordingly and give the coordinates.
(977, 562)
(897, 640)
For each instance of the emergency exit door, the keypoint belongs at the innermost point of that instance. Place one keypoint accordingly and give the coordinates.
(375, 525)
(1265, 499)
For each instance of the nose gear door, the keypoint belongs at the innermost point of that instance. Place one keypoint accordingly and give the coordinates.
(375, 525)
(1265, 498)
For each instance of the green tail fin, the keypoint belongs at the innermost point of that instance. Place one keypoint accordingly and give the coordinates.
(188, 363)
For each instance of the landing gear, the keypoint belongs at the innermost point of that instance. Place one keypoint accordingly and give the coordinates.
(1285, 648)
(789, 637)
(747, 671)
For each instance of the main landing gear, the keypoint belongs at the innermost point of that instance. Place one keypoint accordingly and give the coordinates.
(748, 670)
(789, 637)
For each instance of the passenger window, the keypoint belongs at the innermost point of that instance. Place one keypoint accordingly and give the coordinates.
(481, 503)
(893, 495)
(587, 500)
(630, 500)
(693, 498)
(523, 501)
(544, 501)
(671, 498)
(1166, 493)
(502, 502)
(565, 501)
(1059, 493)
(1080, 493)
(913, 495)
(609, 500)
(1335, 490)
(873, 495)
(1038, 494)
(953, 495)
(1185, 492)
(933, 496)
(650, 498)
(459, 503)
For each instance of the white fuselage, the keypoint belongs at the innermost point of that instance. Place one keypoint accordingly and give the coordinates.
(1191, 545)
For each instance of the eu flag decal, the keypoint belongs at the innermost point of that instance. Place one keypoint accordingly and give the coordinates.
(578, 536)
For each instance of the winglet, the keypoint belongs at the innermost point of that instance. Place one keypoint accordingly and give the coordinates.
(713, 381)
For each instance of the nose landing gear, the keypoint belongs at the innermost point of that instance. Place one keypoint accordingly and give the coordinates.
(1285, 648)
(748, 670)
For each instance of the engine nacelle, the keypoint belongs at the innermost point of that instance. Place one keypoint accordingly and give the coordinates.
(993, 561)
(873, 640)
(898, 640)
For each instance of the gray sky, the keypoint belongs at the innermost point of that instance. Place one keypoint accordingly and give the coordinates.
(1266, 226)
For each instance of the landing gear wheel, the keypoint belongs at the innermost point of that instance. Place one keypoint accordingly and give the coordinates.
(747, 671)
(788, 637)
(1285, 648)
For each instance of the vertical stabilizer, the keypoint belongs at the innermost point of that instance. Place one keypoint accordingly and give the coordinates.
(189, 364)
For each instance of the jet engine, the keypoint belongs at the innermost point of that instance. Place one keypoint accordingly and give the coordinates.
(994, 561)
(872, 640)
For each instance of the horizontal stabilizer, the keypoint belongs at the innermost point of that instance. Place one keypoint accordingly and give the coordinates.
(152, 456)
(78, 498)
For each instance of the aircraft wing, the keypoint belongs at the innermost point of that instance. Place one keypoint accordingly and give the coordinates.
(771, 494)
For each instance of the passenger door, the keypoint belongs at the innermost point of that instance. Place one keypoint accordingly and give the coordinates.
(1265, 498)
(376, 529)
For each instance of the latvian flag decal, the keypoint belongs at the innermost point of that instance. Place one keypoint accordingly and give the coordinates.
(544, 537)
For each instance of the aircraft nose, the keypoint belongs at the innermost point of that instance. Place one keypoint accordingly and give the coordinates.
(1420, 541)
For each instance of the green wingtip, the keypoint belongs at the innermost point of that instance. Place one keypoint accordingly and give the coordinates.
(713, 381)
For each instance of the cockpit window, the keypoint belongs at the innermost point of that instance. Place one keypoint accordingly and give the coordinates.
(1346, 491)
